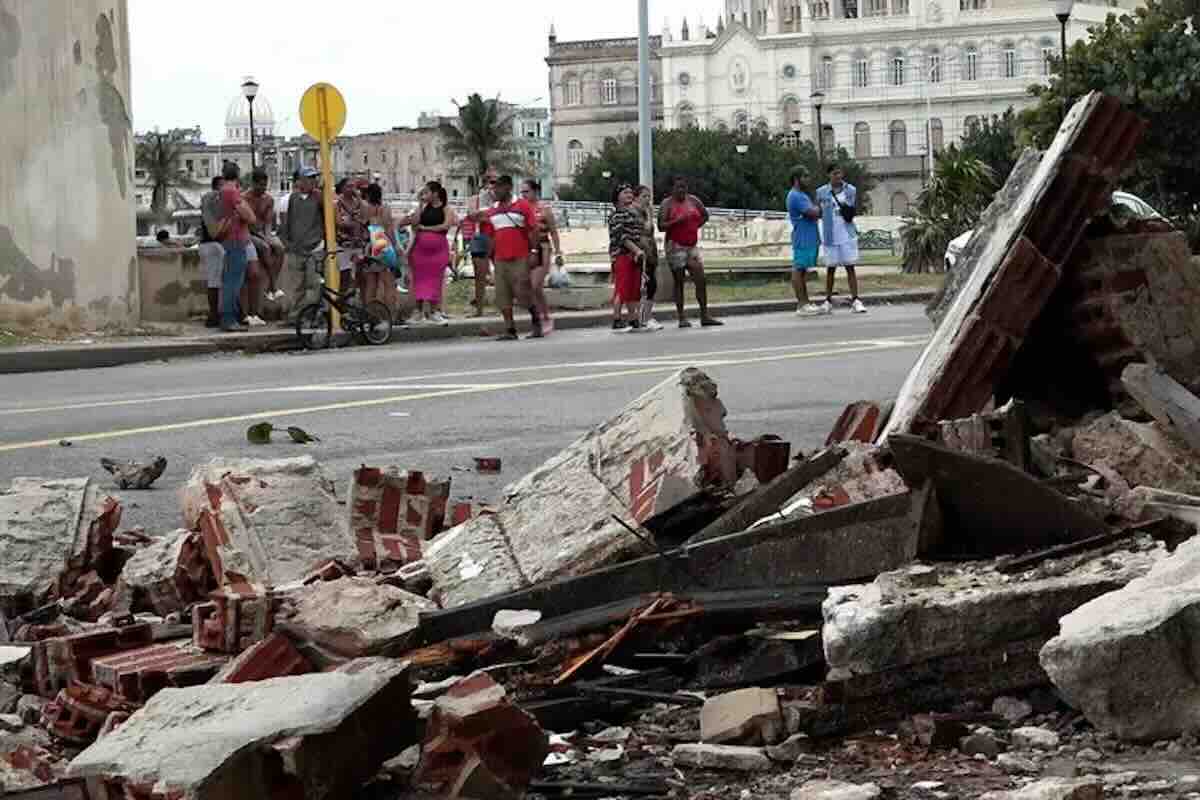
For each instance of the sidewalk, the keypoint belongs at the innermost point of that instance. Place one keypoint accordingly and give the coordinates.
(116, 352)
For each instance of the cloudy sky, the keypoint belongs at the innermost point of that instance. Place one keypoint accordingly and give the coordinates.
(391, 59)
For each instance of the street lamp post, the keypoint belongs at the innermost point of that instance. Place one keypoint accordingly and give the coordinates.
(742, 149)
(607, 175)
(250, 90)
(818, 99)
(1062, 10)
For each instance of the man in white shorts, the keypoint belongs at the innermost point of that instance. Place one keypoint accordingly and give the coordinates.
(212, 254)
(839, 238)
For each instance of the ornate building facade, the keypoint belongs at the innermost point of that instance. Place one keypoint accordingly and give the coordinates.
(895, 79)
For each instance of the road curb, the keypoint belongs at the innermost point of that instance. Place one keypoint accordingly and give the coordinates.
(55, 358)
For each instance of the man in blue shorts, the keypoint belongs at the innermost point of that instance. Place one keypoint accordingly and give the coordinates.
(806, 241)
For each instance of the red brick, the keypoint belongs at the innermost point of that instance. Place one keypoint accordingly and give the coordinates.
(392, 512)
(60, 661)
(236, 617)
(136, 675)
(79, 712)
(273, 657)
(859, 422)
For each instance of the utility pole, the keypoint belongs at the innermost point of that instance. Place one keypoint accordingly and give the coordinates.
(645, 143)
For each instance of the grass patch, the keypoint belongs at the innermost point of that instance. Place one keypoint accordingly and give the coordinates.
(10, 339)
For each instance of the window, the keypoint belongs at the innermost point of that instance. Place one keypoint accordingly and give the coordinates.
(936, 135)
(897, 139)
(790, 140)
(608, 91)
(862, 140)
(877, 8)
(685, 117)
(971, 64)
(364, 159)
(819, 9)
(1049, 54)
(825, 76)
(934, 73)
(862, 72)
(761, 20)
(761, 127)
(383, 158)
(1009, 60)
(190, 165)
(899, 204)
(972, 5)
(850, 9)
(828, 139)
(572, 91)
(741, 123)
(575, 155)
(970, 124)
(140, 199)
(900, 8)
(790, 113)
(140, 174)
(897, 72)
(205, 169)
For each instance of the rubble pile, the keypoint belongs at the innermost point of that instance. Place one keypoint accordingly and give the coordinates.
(985, 588)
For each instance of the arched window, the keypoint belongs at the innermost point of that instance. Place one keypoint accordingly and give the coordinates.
(876, 8)
(936, 135)
(790, 108)
(741, 123)
(897, 139)
(933, 66)
(896, 74)
(685, 116)
(862, 70)
(825, 76)
(862, 140)
(1009, 66)
(762, 126)
(899, 204)
(970, 67)
(969, 124)
(575, 155)
(627, 87)
(900, 8)
(1049, 54)
(829, 139)
(572, 90)
(608, 89)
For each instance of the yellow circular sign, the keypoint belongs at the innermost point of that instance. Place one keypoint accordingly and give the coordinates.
(323, 111)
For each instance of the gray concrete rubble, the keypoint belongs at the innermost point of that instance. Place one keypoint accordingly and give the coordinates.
(896, 622)
(1127, 659)
(52, 533)
(746, 716)
(1171, 404)
(725, 757)
(165, 576)
(836, 790)
(1086, 788)
(353, 616)
(266, 521)
(1141, 453)
(313, 736)
(664, 449)
(1145, 503)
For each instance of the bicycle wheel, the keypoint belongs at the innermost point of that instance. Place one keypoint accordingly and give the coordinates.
(314, 327)
(376, 323)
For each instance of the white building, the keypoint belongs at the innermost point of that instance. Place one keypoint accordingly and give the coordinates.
(896, 75)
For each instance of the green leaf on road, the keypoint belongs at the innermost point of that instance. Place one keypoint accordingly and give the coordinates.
(301, 436)
(260, 433)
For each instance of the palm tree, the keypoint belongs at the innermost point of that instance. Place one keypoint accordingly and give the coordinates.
(159, 154)
(483, 137)
(959, 191)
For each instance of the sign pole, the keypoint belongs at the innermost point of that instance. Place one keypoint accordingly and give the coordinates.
(323, 112)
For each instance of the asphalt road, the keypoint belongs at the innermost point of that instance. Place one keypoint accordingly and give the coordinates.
(436, 406)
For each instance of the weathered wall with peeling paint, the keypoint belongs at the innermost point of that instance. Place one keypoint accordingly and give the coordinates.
(66, 162)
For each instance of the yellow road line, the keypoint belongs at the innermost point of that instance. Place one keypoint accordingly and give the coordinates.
(380, 401)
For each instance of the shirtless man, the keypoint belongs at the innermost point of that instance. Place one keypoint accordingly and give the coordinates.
(268, 245)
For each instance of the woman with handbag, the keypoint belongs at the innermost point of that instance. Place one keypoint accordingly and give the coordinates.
(539, 266)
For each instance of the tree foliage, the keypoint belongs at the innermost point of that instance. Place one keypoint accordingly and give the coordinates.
(159, 155)
(996, 142)
(960, 189)
(716, 172)
(1150, 60)
(483, 137)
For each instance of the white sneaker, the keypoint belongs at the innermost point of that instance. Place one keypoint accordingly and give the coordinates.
(439, 318)
(255, 321)
(401, 288)
(826, 307)
(857, 307)
(653, 325)
(808, 310)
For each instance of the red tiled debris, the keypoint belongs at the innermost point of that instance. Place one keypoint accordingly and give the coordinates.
(859, 422)
(767, 457)
(136, 675)
(80, 711)
(235, 618)
(476, 735)
(329, 570)
(392, 512)
(273, 657)
(464, 510)
(61, 661)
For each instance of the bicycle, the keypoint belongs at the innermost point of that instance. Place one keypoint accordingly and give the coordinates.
(368, 322)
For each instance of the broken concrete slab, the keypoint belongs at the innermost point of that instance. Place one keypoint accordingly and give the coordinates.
(313, 736)
(887, 624)
(52, 533)
(392, 512)
(666, 448)
(1144, 503)
(1141, 453)
(353, 616)
(266, 521)
(1126, 659)
(746, 716)
(165, 576)
(728, 757)
(1015, 513)
(1086, 788)
(836, 790)
(1171, 404)
(1016, 266)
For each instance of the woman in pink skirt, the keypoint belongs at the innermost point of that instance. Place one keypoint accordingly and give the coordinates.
(430, 254)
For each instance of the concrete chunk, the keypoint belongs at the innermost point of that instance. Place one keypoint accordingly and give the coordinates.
(1053, 789)
(166, 576)
(1165, 400)
(354, 616)
(1140, 453)
(747, 716)
(722, 757)
(313, 736)
(266, 521)
(836, 790)
(665, 448)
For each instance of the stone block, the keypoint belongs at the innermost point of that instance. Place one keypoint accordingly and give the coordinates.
(1140, 453)
(880, 626)
(1087, 788)
(746, 716)
(1034, 738)
(354, 616)
(479, 744)
(166, 576)
(722, 757)
(1172, 405)
(1127, 659)
(273, 657)
(665, 448)
(1012, 709)
(266, 521)
(315, 736)
(393, 512)
(836, 790)
(52, 533)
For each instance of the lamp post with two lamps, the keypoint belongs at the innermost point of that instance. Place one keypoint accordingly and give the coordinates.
(250, 91)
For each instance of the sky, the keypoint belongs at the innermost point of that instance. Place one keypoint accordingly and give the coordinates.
(391, 59)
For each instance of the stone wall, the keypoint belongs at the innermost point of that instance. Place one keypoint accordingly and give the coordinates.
(66, 163)
(172, 284)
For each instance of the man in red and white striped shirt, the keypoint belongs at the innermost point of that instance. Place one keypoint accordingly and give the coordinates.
(513, 226)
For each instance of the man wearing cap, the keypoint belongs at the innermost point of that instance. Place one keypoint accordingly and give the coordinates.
(302, 232)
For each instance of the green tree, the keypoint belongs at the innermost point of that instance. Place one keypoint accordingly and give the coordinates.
(960, 189)
(158, 154)
(483, 137)
(1150, 60)
(716, 172)
(995, 142)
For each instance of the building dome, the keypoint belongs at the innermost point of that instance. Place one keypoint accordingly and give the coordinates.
(237, 119)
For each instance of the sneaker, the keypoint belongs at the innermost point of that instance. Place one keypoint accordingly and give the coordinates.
(711, 322)
(826, 307)
(619, 326)
(401, 288)
(653, 325)
(508, 336)
(809, 310)
(635, 326)
(547, 326)
(439, 318)
(255, 321)
(536, 333)
(857, 307)
(684, 323)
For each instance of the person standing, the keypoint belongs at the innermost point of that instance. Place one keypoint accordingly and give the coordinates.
(479, 244)
(236, 218)
(681, 217)
(839, 238)
(302, 233)
(644, 205)
(513, 228)
(430, 254)
(377, 275)
(806, 241)
(625, 231)
(350, 215)
(548, 246)
(212, 254)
